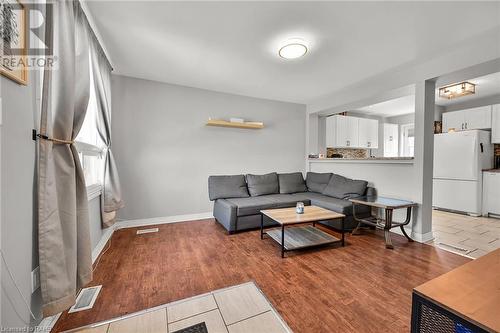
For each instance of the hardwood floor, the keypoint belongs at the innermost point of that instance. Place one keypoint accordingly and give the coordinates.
(362, 287)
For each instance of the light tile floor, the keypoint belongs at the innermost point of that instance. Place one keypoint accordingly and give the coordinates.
(238, 309)
(465, 235)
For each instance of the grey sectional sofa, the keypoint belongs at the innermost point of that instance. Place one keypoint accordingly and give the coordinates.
(240, 198)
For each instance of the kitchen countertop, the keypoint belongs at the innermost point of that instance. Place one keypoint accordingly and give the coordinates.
(491, 170)
(405, 160)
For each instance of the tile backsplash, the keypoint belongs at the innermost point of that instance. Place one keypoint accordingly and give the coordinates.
(347, 152)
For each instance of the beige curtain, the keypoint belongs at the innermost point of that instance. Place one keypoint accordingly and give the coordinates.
(111, 198)
(64, 240)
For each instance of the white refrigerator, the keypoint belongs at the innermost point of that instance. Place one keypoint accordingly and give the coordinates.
(459, 159)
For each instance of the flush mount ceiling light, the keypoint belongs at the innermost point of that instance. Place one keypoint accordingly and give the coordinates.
(293, 49)
(457, 90)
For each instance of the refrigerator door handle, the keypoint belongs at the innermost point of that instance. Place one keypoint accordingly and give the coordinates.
(482, 147)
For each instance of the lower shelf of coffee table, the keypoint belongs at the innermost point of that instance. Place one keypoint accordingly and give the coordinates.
(302, 237)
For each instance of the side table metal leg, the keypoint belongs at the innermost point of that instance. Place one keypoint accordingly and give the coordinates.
(387, 228)
(356, 230)
(408, 217)
(283, 241)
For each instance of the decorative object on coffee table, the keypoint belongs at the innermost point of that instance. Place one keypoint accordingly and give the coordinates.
(389, 205)
(295, 238)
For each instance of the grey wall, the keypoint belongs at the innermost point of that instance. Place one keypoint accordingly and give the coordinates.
(165, 153)
(490, 100)
(18, 230)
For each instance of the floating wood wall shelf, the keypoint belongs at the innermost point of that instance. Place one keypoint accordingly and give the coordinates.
(225, 123)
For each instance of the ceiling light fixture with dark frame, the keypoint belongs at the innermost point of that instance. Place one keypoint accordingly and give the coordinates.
(457, 90)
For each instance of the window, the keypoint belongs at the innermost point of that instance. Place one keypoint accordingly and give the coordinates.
(408, 140)
(89, 144)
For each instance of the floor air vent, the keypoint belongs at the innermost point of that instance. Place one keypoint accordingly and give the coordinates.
(147, 231)
(85, 299)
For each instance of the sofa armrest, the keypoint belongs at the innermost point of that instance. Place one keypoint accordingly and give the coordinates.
(225, 213)
(371, 191)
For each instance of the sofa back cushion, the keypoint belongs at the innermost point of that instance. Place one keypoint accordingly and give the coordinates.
(291, 183)
(316, 182)
(344, 188)
(223, 187)
(263, 184)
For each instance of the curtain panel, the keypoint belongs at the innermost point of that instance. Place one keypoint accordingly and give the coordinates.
(111, 198)
(63, 221)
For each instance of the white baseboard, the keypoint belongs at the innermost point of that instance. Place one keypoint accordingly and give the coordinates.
(421, 238)
(106, 236)
(162, 220)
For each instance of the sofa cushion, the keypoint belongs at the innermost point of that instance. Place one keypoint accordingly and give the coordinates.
(287, 200)
(263, 184)
(222, 187)
(316, 182)
(252, 205)
(344, 188)
(291, 183)
(338, 205)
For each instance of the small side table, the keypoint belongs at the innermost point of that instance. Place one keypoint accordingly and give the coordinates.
(389, 205)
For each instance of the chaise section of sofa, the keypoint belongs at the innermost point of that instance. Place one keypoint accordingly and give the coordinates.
(238, 199)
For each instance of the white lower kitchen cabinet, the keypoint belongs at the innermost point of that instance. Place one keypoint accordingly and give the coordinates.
(491, 193)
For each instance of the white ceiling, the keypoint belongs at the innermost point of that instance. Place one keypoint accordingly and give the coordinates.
(391, 108)
(488, 85)
(232, 46)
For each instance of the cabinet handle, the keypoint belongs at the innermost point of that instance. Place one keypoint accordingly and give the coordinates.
(462, 125)
(348, 143)
(466, 125)
(369, 144)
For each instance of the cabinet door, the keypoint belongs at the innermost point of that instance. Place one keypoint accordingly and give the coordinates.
(495, 123)
(453, 121)
(373, 134)
(352, 132)
(368, 133)
(363, 132)
(391, 140)
(492, 192)
(330, 132)
(477, 118)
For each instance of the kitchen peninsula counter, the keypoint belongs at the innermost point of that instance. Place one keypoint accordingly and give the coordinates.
(374, 160)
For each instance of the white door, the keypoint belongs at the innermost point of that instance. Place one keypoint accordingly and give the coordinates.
(453, 121)
(477, 118)
(495, 123)
(491, 182)
(391, 139)
(456, 156)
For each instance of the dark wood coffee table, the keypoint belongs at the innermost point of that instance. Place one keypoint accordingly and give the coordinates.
(389, 205)
(300, 237)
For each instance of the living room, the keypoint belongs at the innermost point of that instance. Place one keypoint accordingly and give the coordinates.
(208, 179)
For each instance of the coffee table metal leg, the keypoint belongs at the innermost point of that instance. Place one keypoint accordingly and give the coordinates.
(387, 228)
(261, 226)
(343, 232)
(283, 241)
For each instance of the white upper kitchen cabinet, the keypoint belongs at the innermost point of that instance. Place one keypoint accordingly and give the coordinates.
(342, 132)
(391, 140)
(368, 133)
(469, 119)
(495, 123)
